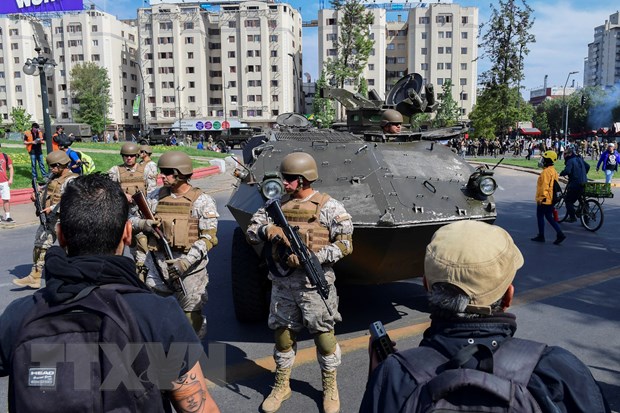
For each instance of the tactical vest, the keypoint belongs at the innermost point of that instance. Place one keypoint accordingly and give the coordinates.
(306, 216)
(180, 228)
(53, 189)
(130, 181)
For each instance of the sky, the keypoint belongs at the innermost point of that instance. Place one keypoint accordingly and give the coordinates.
(563, 29)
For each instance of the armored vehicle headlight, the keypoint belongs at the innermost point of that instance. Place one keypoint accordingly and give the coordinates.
(487, 185)
(272, 188)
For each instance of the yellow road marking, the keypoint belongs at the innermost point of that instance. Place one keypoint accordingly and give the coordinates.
(247, 369)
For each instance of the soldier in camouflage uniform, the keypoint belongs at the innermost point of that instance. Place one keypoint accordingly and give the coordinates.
(135, 176)
(150, 167)
(188, 217)
(326, 228)
(60, 175)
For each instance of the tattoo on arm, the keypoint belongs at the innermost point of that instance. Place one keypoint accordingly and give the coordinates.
(189, 393)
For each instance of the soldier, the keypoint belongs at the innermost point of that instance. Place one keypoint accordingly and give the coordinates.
(391, 121)
(150, 167)
(60, 175)
(189, 221)
(328, 229)
(133, 177)
(596, 149)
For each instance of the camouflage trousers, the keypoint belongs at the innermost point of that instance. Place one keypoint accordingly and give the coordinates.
(43, 240)
(195, 284)
(295, 307)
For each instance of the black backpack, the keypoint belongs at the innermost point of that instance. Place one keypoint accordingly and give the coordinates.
(59, 362)
(498, 385)
(557, 193)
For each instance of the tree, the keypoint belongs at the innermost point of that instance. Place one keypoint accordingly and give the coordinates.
(448, 111)
(21, 119)
(354, 42)
(90, 87)
(322, 108)
(489, 118)
(505, 44)
(363, 88)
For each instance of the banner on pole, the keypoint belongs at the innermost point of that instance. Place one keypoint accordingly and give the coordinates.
(39, 6)
(136, 106)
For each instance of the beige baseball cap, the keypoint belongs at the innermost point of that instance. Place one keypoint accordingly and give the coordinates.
(479, 258)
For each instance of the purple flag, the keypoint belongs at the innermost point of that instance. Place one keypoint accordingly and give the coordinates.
(39, 6)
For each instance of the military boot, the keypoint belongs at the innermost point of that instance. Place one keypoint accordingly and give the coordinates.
(32, 280)
(331, 400)
(281, 391)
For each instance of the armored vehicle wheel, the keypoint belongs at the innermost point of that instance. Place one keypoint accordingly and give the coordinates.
(250, 285)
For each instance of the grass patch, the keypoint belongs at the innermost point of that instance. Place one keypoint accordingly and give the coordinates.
(533, 164)
(157, 149)
(103, 161)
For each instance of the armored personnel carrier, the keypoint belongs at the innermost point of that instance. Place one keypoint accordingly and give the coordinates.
(399, 189)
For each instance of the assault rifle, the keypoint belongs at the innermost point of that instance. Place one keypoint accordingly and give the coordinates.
(43, 218)
(308, 260)
(176, 281)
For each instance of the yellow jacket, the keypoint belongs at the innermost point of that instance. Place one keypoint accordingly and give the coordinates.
(544, 187)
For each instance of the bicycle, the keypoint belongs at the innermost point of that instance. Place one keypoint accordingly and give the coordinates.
(587, 209)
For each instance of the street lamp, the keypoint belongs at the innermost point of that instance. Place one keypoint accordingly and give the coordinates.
(179, 90)
(565, 103)
(46, 68)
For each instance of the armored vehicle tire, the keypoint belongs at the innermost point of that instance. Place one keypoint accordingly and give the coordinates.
(250, 285)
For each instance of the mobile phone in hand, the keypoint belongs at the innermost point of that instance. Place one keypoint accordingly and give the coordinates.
(381, 342)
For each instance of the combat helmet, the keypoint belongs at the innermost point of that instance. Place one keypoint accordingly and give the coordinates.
(391, 116)
(130, 148)
(300, 164)
(176, 160)
(146, 148)
(59, 157)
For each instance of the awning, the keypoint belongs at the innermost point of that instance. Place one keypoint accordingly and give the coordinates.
(529, 131)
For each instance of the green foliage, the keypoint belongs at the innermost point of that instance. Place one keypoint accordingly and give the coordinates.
(363, 88)
(354, 42)
(322, 108)
(21, 119)
(420, 119)
(491, 117)
(90, 86)
(448, 110)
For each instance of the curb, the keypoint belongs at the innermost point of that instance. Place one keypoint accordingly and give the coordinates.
(22, 196)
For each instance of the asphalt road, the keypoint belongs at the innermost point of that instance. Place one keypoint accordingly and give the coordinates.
(566, 295)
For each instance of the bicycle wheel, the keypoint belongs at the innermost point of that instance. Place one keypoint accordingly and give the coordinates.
(592, 215)
(562, 211)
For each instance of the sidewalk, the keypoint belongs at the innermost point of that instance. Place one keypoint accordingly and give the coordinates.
(212, 180)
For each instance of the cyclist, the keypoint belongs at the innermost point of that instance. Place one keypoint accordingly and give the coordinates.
(577, 171)
(544, 198)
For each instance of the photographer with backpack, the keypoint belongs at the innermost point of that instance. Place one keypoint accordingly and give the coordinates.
(95, 339)
(468, 359)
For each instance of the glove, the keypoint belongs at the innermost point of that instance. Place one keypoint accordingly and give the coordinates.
(274, 234)
(148, 225)
(293, 261)
(177, 267)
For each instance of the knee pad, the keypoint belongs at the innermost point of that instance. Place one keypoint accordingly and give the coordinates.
(325, 342)
(285, 339)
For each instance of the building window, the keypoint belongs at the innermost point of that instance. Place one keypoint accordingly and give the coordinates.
(371, 82)
(233, 69)
(232, 24)
(250, 53)
(400, 60)
(463, 96)
(191, 99)
(165, 26)
(189, 40)
(95, 42)
(441, 35)
(233, 98)
(273, 38)
(18, 88)
(332, 52)
(14, 46)
(190, 70)
(448, 50)
(463, 35)
(190, 55)
(448, 35)
(463, 66)
(424, 50)
(463, 81)
(371, 66)
(275, 112)
(424, 20)
(464, 19)
(440, 50)
(188, 25)
(191, 85)
(463, 50)
(424, 35)
(94, 28)
(424, 66)
(439, 66)
(439, 82)
(272, 24)
(231, 39)
(95, 58)
(274, 98)
(274, 53)
(231, 54)
(252, 23)
(330, 22)
(274, 68)
(331, 37)
(274, 83)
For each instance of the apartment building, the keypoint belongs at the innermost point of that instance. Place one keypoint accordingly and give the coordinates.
(602, 66)
(98, 37)
(437, 40)
(242, 63)
(19, 35)
(442, 45)
(328, 32)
